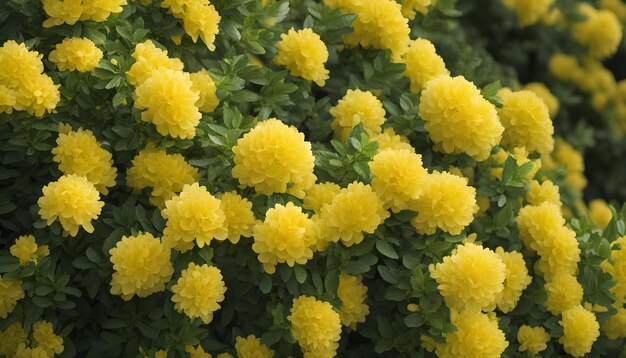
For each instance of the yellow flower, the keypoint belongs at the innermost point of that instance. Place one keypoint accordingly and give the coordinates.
(71, 11)
(170, 103)
(76, 54)
(204, 85)
(388, 139)
(284, 237)
(141, 266)
(251, 347)
(25, 249)
(78, 152)
(532, 339)
(614, 327)
(471, 278)
(477, 335)
(411, 7)
(422, 63)
(194, 214)
(10, 292)
(564, 153)
(198, 292)
(458, 118)
(25, 352)
(197, 352)
(618, 7)
(165, 173)
(544, 192)
(601, 31)
(73, 200)
(43, 334)
(600, 213)
(446, 202)
(320, 194)
(355, 210)
(201, 20)
(565, 67)
(580, 331)
(529, 12)
(515, 282)
(398, 177)
(564, 292)
(38, 96)
(304, 54)
(11, 338)
(526, 121)
(149, 58)
(352, 293)
(616, 266)
(315, 325)
(274, 158)
(544, 93)
(239, 218)
(357, 107)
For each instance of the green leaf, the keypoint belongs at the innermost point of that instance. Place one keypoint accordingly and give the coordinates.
(386, 249)
(414, 320)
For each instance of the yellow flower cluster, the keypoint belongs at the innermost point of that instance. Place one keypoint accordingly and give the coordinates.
(600, 32)
(238, 216)
(11, 338)
(616, 266)
(543, 92)
(44, 337)
(352, 293)
(316, 326)
(529, 12)
(70, 11)
(580, 331)
(23, 85)
(422, 63)
(204, 85)
(615, 326)
(76, 54)
(251, 347)
(564, 292)
(532, 339)
(165, 174)
(25, 249)
(515, 281)
(357, 107)
(477, 335)
(388, 139)
(304, 54)
(28, 352)
(320, 194)
(141, 266)
(198, 292)
(566, 155)
(410, 8)
(149, 58)
(600, 213)
(194, 214)
(73, 200)
(199, 17)
(78, 152)
(546, 192)
(398, 177)
(274, 158)
(458, 118)
(10, 292)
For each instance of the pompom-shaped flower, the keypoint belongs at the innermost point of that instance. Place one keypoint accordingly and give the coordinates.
(239, 218)
(529, 12)
(251, 347)
(11, 338)
(194, 214)
(320, 194)
(600, 212)
(616, 266)
(477, 335)
(411, 7)
(274, 158)
(564, 292)
(565, 67)
(532, 339)
(580, 331)
(25, 249)
(614, 327)
(515, 282)
(458, 118)
(446, 202)
(423, 63)
(200, 19)
(149, 58)
(26, 352)
(165, 173)
(78, 152)
(357, 107)
(285, 236)
(398, 177)
(304, 53)
(526, 121)
(601, 31)
(76, 54)
(204, 85)
(43, 334)
(388, 139)
(315, 325)
(544, 93)
(141, 266)
(352, 293)
(71, 11)
(546, 192)
(10, 292)
(198, 292)
(355, 210)
(170, 103)
(73, 200)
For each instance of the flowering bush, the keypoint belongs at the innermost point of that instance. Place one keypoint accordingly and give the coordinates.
(259, 178)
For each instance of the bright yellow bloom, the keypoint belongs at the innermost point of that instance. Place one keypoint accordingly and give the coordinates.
(239, 218)
(544, 192)
(411, 7)
(78, 152)
(357, 107)
(274, 158)
(580, 331)
(398, 177)
(601, 31)
(526, 121)
(198, 292)
(616, 266)
(352, 293)
(204, 85)
(165, 173)
(44, 336)
(11, 338)
(304, 54)
(532, 339)
(25, 352)
(388, 139)
(285, 236)
(477, 335)
(529, 12)
(565, 67)
(446, 202)
(201, 20)
(458, 118)
(10, 292)
(614, 327)
(170, 103)
(149, 58)
(515, 282)
(251, 347)
(600, 213)
(141, 266)
(564, 153)
(24, 249)
(543, 92)
(76, 54)
(73, 200)
(319, 195)
(197, 352)
(194, 214)
(564, 292)
(71, 11)
(423, 63)
(315, 325)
